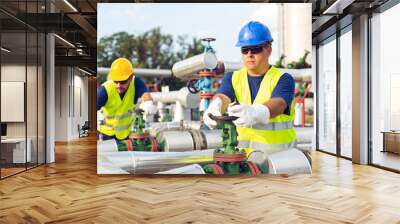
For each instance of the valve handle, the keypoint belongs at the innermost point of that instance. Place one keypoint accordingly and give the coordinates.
(222, 118)
(191, 86)
(208, 39)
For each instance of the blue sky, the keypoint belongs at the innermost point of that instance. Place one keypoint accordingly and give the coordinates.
(221, 21)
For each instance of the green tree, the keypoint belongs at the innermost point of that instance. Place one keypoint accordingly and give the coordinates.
(188, 49)
(117, 45)
(151, 49)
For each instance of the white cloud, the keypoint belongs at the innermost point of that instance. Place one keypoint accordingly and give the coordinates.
(205, 34)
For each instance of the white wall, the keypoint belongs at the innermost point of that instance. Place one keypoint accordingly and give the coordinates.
(34, 123)
(71, 99)
(12, 73)
(61, 103)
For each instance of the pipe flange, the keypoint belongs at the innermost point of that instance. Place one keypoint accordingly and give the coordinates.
(204, 95)
(220, 157)
(253, 168)
(197, 139)
(214, 168)
(138, 136)
(206, 73)
(129, 145)
(154, 145)
(220, 68)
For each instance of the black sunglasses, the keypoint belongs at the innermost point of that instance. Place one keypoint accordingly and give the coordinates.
(122, 82)
(253, 50)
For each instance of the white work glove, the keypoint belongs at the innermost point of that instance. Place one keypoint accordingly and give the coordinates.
(148, 107)
(249, 115)
(215, 109)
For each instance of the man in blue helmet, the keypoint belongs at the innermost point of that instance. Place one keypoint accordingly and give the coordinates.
(263, 96)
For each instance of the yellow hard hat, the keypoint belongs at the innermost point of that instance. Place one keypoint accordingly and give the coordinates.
(121, 69)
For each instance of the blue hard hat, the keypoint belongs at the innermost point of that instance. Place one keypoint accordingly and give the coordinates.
(254, 33)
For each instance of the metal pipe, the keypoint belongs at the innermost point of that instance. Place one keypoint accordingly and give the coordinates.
(181, 113)
(187, 99)
(153, 162)
(155, 128)
(231, 66)
(176, 138)
(177, 141)
(142, 72)
(202, 139)
(188, 68)
(292, 161)
(107, 146)
(190, 169)
(212, 139)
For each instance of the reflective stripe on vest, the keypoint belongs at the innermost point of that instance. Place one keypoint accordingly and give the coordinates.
(274, 126)
(120, 117)
(118, 128)
(264, 147)
(279, 133)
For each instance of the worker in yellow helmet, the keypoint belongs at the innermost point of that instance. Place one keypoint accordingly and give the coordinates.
(117, 99)
(263, 95)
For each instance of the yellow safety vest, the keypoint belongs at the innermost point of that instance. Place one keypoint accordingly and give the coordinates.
(279, 134)
(118, 114)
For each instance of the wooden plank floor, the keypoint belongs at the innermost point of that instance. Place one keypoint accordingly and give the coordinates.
(387, 159)
(70, 191)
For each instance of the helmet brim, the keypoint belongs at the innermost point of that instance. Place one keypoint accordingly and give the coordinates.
(119, 79)
(252, 43)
